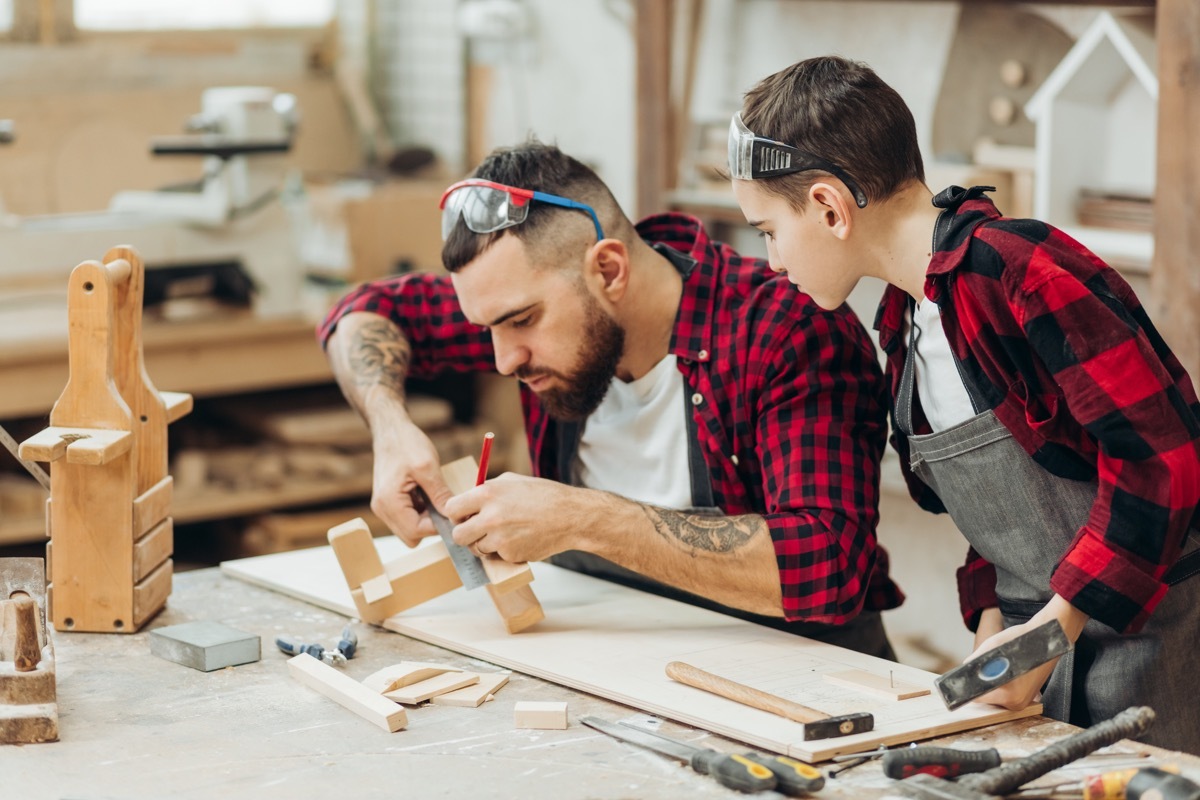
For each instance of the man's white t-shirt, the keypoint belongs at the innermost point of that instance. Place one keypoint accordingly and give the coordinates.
(939, 385)
(635, 444)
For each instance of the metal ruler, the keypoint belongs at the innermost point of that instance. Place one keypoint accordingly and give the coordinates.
(11, 444)
(466, 564)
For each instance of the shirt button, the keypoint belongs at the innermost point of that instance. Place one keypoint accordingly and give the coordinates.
(734, 460)
(697, 399)
(703, 354)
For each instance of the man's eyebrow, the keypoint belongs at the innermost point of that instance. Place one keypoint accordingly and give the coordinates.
(754, 223)
(509, 315)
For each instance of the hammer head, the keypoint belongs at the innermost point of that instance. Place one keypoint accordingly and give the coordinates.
(926, 787)
(845, 725)
(1002, 664)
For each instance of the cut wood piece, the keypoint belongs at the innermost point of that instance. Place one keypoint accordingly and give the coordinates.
(355, 551)
(474, 696)
(152, 506)
(541, 715)
(150, 595)
(178, 404)
(79, 445)
(406, 673)
(431, 687)
(519, 608)
(347, 692)
(376, 589)
(876, 684)
(505, 576)
(153, 549)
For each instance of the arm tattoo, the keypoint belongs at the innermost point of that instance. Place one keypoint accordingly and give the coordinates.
(376, 355)
(714, 534)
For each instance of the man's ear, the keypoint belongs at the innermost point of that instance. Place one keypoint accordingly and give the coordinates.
(833, 207)
(608, 265)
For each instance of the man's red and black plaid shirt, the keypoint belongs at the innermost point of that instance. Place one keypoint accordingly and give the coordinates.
(1055, 342)
(791, 418)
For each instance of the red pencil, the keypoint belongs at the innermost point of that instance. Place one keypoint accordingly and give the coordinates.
(483, 457)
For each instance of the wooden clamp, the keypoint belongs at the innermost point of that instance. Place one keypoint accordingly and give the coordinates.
(381, 590)
(111, 536)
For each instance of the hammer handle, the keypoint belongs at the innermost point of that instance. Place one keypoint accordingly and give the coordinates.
(746, 695)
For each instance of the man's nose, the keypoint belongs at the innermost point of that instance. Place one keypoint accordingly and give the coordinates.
(509, 356)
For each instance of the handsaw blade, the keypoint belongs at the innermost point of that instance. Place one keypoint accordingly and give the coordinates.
(37, 472)
(466, 564)
(663, 745)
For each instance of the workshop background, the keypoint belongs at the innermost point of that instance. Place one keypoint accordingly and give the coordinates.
(1060, 106)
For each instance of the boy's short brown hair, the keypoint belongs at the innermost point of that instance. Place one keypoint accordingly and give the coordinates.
(843, 112)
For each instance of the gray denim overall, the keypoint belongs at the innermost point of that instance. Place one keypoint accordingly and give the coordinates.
(1022, 519)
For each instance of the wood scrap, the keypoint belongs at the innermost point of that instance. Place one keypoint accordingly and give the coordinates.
(347, 692)
(406, 673)
(421, 691)
(476, 695)
(540, 715)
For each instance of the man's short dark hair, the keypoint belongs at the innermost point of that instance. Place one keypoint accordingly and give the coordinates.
(549, 232)
(843, 112)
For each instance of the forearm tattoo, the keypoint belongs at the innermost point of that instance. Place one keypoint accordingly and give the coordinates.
(713, 534)
(376, 355)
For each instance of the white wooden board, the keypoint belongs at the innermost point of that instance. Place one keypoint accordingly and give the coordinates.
(615, 642)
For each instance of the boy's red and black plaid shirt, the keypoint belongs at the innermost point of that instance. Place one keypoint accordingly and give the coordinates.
(791, 417)
(1055, 342)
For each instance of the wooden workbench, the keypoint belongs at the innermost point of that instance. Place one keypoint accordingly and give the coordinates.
(136, 726)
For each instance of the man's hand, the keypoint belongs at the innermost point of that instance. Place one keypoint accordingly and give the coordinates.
(1020, 692)
(523, 519)
(405, 462)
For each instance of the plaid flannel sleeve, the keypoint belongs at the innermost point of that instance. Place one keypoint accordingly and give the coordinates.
(1112, 369)
(426, 309)
(821, 430)
(976, 588)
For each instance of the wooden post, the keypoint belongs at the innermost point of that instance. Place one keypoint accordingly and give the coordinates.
(1175, 273)
(655, 136)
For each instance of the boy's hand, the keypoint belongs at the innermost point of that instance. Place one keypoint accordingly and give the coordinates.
(406, 460)
(1020, 692)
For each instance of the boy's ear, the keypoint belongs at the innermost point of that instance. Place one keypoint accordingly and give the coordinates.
(833, 207)
(607, 262)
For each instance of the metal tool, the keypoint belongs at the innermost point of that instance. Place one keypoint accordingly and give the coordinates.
(735, 771)
(466, 564)
(1158, 784)
(33, 469)
(942, 762)
(793, 778)
(817, 724)
(1004, 779)
(1002, 664)
(337, 655)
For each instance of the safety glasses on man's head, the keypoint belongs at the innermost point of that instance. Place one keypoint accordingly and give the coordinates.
(488, 207)
(752, 157)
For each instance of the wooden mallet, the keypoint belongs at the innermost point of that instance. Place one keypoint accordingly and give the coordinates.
(817, 724)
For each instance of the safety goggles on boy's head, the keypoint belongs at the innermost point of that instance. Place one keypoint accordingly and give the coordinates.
(752, 157)
(488, 207)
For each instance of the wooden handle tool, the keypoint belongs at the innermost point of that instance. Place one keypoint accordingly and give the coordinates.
(817, 724)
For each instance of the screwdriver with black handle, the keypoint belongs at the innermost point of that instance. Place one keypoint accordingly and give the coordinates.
(941, 762)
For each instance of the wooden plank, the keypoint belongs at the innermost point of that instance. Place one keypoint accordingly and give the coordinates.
(153, 549)
(152, 506)
(886, 687)
(656, 156)
(150, 594)
(629, 637)
(419, 692)
(347, 692)
(476, 695)
(1175, 270)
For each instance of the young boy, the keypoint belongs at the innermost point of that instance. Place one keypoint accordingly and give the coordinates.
(1033, 399)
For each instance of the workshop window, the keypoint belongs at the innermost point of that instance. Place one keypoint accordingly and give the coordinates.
(112, 15)
(6, 15)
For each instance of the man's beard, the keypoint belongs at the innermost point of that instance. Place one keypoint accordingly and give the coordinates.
(583, 389)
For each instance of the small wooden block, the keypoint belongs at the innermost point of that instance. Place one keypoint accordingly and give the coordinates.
(474, 696)
(99, 447)
(150, 595)
(153, 549)
(205, 645)
(519, 608)
(432, 687)
(406, 673)
(879, 685)
(376, 589)
(178, 404)
(541, 715)
(347, 692)
(153, 506)
(355, 550)
(505, 576)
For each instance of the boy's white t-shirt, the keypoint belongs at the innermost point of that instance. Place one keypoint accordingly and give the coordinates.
(943, 394)
(635, 444)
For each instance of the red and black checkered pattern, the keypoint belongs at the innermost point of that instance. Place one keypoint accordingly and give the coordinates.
(1056, 343)
(792, 422)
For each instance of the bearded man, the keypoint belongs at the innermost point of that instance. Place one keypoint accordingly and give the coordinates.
(698, 428)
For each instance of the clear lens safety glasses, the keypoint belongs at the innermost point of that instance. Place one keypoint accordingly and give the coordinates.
(487, 207)
(752, 157)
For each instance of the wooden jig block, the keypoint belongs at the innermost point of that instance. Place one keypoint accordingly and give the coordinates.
(381, 590)
(878, 685)
(28, 694)
(541, 715)
(110, 494)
